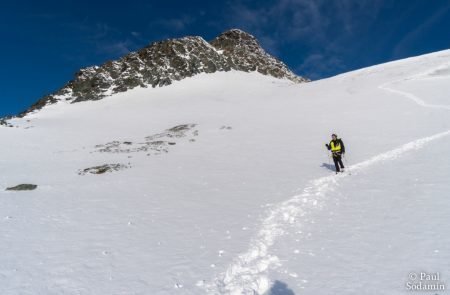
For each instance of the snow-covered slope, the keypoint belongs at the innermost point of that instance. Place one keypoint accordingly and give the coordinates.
(220, 184)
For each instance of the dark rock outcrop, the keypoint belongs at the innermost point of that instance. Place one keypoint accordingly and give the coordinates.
(102, 169)
(155, 144)
(22, 187)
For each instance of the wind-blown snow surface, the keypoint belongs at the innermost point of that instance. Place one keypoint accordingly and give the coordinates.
(244, 202)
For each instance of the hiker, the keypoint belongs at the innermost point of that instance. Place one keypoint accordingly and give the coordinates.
(337, 148)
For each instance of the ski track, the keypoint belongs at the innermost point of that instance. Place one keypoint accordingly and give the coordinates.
(247, 274)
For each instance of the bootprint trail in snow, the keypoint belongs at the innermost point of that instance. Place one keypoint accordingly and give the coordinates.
(247, 274)
(416, 99)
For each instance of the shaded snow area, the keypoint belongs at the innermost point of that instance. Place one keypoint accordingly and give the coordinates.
(221, 184)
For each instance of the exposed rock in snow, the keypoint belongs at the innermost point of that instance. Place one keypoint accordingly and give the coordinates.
(22, 187)
(153, 144)
(103, 169)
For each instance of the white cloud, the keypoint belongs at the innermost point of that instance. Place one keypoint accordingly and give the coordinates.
(315, 65)
(415, 34)
(104, 38)
(174, 24)
(136, 34)
(117, 48)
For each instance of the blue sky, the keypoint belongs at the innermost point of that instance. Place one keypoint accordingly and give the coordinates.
(45, 42)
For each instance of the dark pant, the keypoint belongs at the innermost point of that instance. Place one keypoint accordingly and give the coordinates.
(337, 159)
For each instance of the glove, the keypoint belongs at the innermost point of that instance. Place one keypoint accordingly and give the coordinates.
(326, 144)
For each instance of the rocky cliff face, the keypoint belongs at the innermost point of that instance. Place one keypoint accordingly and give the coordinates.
(161, 63)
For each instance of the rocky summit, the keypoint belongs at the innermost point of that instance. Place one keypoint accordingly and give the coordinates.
(161, 63)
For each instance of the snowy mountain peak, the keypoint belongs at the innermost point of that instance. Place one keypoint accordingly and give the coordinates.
(161, 63)
(235, 38)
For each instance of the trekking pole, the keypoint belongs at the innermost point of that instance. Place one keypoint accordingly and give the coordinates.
(346, 164)
(328, 156)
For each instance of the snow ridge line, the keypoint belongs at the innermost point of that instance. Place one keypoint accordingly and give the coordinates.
(247, 274)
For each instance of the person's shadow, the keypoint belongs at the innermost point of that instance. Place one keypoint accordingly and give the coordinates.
(328, 166)
(279, 288)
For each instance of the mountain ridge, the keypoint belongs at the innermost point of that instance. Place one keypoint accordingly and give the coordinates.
(163, 62)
